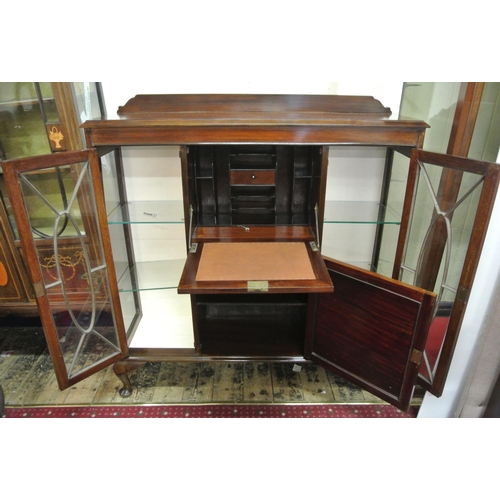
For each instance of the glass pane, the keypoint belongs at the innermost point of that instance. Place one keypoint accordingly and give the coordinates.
(435, 103)
(485, 142)
(73, 264)
(48, 102)
(359, 212)
(120, 242)
(53, 190)
(110, 181)
(22, 124)
(87, 101)
(152, 275)
(339, 242)
(442, 221)
(148, 212)
(395, 201)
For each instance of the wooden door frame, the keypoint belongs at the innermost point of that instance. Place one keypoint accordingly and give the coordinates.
(466, 112)
(12, 168)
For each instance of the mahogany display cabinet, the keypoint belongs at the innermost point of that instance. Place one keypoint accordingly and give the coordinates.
(249, 274)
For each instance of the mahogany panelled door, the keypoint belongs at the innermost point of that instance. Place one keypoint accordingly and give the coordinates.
(371, 330)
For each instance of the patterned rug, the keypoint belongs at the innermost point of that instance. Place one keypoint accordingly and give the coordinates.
(212, 411)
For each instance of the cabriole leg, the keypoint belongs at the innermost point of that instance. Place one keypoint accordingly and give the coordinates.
(122, 369)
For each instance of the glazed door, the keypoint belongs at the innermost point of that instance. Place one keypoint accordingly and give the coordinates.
(59, 211)
(448, 205)
(371, 330)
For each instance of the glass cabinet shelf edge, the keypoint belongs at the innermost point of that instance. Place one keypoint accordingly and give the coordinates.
(148, 212)
(153, 275)
(172, 212)
(359, 212)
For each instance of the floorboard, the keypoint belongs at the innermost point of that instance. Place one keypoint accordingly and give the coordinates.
(27, 379)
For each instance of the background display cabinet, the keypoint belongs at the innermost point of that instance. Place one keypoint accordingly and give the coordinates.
(224, 227)
(37, 119)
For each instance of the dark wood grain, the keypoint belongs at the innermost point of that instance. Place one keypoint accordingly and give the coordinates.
(241, 107)
(372, 330)
(390, 134)
(254, 119)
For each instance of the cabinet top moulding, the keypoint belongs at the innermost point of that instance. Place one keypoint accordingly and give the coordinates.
(240, 118)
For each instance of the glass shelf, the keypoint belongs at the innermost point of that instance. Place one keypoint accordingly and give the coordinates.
(172, 212)
(154, 275)
(359, 212)
(148, 212)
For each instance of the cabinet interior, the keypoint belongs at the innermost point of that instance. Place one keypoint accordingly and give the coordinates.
(254, 184)
(224, 194)
(252, 325)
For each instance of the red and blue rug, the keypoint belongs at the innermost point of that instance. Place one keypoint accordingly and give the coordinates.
(212, 411)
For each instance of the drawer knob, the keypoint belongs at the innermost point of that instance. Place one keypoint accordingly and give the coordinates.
(254, 176)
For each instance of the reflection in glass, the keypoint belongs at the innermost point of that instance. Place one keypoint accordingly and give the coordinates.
(359, 212)
(50, 192)
(435, 103)
(120, 238)
(47, 102)
(148, 212)
(438, 238)
(485, 144)
(153, 275)
(87, 100)
(22, 120)
(72, 262)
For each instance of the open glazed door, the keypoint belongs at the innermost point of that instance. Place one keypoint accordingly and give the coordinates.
(447, 210)
(60, 217)
(371, 330)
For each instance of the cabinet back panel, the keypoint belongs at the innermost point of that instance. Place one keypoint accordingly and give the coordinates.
(258, 325)
(254, 184)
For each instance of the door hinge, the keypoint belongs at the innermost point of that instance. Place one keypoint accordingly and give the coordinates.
(416, 356)
(39, 289)
(463, 294)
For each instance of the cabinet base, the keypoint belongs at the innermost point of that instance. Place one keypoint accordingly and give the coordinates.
(124, 367)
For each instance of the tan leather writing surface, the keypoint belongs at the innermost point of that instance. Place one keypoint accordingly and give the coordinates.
(254, 261)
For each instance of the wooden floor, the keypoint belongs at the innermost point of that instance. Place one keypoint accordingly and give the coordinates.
(27, 378)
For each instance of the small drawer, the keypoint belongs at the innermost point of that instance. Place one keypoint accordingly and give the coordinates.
(253, 177)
